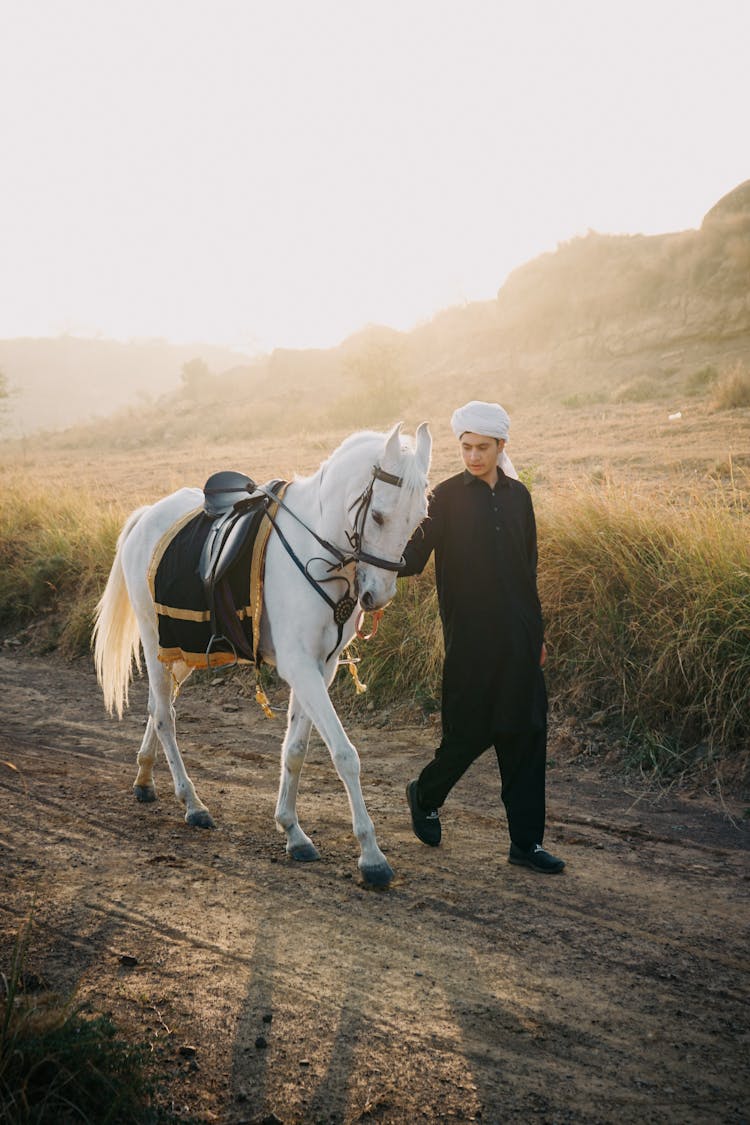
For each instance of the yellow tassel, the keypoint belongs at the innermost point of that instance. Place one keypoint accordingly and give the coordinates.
(359, 686)
(262, 699)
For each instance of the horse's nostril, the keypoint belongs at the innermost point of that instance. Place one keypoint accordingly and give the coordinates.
(367, 600)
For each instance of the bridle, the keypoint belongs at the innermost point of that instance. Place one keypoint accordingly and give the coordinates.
(345, 606)
(363, 503)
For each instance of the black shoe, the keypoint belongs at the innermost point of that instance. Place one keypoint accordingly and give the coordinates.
(536, 858)
(426, 825)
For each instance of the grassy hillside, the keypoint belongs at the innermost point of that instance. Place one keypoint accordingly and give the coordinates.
(603, 319)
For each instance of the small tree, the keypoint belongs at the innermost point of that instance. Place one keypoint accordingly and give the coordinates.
(195, 375)
(376, 386)
(5, 395)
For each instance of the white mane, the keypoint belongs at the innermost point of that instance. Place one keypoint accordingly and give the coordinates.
(373, 441)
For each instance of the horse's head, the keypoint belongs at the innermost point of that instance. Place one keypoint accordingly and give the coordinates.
(392, 505)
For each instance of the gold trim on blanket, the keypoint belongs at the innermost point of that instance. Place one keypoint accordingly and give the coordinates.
(183, 614)
(164, 542)
(198, 659)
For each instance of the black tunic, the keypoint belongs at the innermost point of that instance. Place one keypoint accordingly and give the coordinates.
(485, 568)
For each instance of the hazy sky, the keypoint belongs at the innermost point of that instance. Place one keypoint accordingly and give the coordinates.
(263, 173)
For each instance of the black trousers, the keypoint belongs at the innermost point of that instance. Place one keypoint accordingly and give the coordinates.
(522, 759)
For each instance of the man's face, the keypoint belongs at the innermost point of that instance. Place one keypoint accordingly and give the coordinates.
(480, 455)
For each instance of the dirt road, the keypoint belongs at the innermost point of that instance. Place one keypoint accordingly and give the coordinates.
(471, 990)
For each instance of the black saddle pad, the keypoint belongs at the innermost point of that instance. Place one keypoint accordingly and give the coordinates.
(184, 616)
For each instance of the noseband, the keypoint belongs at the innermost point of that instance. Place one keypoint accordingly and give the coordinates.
(344, 607)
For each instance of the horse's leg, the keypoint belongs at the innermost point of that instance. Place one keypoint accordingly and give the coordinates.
(144, 787)
(298, 845)
(310, 689)
(161, 682)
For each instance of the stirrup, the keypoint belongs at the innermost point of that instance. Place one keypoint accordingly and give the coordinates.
(214, 640)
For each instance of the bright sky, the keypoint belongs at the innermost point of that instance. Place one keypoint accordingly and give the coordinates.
(265, 173)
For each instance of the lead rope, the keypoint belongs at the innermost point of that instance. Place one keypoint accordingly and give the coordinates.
(377, 614)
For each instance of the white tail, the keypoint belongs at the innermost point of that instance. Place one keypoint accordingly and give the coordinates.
(115, 638)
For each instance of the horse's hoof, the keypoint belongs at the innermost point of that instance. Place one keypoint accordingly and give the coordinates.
(304, 853)
(378, 875)
(145, 793)
(201, 818)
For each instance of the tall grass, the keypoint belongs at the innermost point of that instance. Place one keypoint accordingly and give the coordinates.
(56, 548)
(648, 611)
(404, 659)
(732, 389)
(647, 606)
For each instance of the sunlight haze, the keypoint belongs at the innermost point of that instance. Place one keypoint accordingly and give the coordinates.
(263, 175)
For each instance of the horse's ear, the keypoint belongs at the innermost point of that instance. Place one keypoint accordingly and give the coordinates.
(392, 450)
(424, 447)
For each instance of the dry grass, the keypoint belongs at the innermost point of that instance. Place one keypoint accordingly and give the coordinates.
(648, 610)
(732, 389)
(648, 621)
(644, 571)
(56, 549)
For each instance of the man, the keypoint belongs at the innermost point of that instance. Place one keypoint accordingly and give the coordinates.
(481, 526)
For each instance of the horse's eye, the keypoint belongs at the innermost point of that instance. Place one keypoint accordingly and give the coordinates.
(377, 518)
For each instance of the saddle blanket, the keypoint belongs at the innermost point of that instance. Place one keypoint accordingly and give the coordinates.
(184, 616)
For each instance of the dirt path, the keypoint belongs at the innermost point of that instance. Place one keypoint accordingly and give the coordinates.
(471, 990)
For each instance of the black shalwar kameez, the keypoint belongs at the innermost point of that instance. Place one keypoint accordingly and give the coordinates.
(485, 547)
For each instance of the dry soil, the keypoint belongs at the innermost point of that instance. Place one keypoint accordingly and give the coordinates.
(471, 990)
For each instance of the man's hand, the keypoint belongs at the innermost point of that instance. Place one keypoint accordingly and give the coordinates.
(543, 655)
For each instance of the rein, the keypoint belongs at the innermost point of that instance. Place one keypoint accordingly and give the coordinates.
(346, 604)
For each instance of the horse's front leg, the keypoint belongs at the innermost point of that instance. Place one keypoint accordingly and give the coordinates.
(309, 687)
(298, 844)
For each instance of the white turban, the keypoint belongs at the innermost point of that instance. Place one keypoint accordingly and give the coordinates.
(489, 420)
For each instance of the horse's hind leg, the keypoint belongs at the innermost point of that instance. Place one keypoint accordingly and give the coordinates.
(143, 787)
(298, 845)
(162, 718)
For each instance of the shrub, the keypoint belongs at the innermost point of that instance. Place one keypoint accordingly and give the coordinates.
(584, 398)
(701, 380)
(58, 1065)
(637, 390)
(732, 390)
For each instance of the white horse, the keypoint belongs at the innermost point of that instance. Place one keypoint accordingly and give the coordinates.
(363, 503)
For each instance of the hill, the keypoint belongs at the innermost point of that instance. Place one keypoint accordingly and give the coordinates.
(602, 319)
(62, 381)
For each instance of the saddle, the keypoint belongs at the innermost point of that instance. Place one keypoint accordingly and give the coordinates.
(236, 506)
